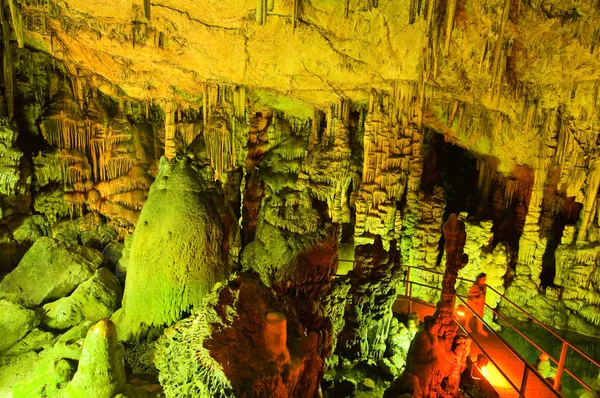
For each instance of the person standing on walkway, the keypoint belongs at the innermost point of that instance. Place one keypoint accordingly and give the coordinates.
(476, 301)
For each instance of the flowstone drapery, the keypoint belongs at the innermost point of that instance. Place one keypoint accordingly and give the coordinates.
(372, 293)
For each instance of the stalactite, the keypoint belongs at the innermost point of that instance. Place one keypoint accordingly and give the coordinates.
(188, 132)
(313, 139)
(260, 15)
(7, 66)
(295, 14)
(147, 6)
(265, 8)
(74, 166)
(497, 66)
(170, 148)
(63, 132)
(17, 21)
(450, 12)
(205, 104)
(219, 144)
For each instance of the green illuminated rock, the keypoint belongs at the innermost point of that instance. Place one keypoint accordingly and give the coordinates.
(36, 340)
(26, 373)
(26, 230)
(100, 373)
(185, 242)
(95, 299)
(15, 323)
(48, 378)
(49, 270)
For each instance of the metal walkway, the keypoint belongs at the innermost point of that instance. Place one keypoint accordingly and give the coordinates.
(508, 372)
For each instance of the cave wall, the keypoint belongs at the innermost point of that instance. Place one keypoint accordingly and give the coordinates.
(315, 126)
(75, 154)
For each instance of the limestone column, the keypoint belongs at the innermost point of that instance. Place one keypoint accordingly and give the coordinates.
(170, 151)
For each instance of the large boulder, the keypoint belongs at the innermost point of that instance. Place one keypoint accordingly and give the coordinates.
(45, 373)
(49, 270)
(95, 299)
(113, 252)
(15, 323)
(186, 240)
(36, 340)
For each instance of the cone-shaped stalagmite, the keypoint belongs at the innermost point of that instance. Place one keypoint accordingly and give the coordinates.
(101, 372)
(186, 240)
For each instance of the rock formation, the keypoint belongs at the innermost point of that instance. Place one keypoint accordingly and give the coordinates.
(437, 355)
(372, 293)
(50, 270)
(101, 371)
(186, 209)
(263, 351)
(160, 160)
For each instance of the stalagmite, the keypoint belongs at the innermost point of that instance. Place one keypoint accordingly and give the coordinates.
(183, 208)
(429, 351)
(275, 336)
(101, 371)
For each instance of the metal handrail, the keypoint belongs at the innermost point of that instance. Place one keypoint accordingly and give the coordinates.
(583, 383)
(514, 351)
(489, 357)
(565, 343)
(562, 339)
(536, 321)
(527, 367)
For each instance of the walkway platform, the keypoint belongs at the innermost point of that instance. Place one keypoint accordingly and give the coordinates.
(494, 348)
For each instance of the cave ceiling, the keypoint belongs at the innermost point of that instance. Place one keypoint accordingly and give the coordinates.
(497, 67)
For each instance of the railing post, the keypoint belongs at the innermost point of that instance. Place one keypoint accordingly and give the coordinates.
(524, 381)
(561, 364)
(406, 281)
